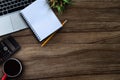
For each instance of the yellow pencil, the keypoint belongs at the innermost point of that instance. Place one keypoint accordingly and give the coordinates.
(45, 42)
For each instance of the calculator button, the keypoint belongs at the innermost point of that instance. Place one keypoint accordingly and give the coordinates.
(1, 46)
(9, 44)
(5, 48)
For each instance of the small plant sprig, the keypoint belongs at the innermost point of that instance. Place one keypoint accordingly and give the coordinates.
(59, 4)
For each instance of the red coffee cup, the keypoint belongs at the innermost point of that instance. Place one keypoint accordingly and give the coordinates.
(12, 68)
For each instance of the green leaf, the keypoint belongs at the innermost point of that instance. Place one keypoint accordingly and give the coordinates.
(59, 9)
(66, 1)
(59, 4)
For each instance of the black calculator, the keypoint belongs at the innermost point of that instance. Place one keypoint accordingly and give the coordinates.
(8, 46)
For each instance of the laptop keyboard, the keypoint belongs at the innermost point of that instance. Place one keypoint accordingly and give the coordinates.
(8, 6)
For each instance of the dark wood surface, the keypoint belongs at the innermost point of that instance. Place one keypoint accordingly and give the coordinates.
(86, 48)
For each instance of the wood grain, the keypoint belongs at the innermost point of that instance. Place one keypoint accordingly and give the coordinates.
(86, 48)
(69, 60)
(87, 77)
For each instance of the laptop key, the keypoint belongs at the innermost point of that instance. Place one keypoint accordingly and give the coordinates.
(1, 13)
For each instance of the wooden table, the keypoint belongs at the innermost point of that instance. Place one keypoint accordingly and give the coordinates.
(86, 48)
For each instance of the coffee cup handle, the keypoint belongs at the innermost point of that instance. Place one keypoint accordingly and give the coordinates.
(4, 77)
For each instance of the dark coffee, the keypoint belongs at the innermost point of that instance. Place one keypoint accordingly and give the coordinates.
(12, 67)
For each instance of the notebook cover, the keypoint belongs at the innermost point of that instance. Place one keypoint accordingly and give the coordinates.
(41, 19)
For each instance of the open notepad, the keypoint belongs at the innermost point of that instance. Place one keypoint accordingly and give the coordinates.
(41, 19)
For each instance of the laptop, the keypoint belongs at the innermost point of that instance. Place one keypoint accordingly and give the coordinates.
(10, 18)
